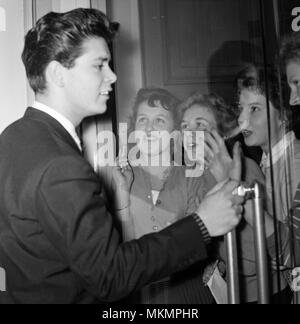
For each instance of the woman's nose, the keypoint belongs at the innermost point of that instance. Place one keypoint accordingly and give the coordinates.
(243, 119)
(149, 127)
(295, 97)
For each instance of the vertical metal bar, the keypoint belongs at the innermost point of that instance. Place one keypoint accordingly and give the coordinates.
(34, 12)
(270, 136)
(260, 246)
(232, 269)
(276, 19)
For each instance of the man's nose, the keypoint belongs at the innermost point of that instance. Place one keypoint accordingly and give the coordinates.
(110, 77)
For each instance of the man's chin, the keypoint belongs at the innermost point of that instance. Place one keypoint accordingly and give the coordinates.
(102, 109)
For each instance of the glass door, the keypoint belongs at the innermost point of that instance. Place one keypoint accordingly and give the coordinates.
(230, 47)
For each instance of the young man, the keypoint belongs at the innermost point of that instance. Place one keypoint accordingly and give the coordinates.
(58, 243)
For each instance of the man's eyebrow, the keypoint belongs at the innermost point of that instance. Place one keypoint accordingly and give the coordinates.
(102, 58)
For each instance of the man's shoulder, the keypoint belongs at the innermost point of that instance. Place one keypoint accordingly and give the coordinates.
(37, 146)
(23, 126)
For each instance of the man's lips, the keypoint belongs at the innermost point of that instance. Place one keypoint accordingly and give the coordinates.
(105, 92)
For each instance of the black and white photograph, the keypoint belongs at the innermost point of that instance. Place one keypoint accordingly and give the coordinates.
(149, 154)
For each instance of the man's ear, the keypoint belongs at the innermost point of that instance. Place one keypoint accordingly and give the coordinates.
(54, 74)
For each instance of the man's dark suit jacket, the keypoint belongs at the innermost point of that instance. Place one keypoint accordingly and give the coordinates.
(58, 243)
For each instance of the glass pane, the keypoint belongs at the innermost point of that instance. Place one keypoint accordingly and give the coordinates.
(230, 48)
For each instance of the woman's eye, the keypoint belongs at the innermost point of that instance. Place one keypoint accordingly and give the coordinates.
(254, 109)
(201, 125)
(141, 120)
(184, 126)
(161, 121)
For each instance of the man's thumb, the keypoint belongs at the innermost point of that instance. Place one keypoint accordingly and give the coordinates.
(229, 186)
(217, 187)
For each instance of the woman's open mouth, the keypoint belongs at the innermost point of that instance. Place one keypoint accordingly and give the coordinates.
(247, 133)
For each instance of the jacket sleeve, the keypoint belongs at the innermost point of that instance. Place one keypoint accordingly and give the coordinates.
(76, 221)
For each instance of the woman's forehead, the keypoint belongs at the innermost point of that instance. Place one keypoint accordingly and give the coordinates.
(293, 70)
(145, 109)
(251, 95)
(199, 111)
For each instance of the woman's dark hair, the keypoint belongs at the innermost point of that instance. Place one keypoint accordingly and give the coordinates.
(225, 115)
(155, 97)
(290, 49)
(59, 37)
(265, 82)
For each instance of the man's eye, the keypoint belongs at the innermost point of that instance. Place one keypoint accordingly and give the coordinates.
(100, 66)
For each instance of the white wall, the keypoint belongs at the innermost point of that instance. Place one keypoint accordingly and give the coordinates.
(128, 61)
(13, 96)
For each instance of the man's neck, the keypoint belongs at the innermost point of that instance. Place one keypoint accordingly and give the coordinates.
(59, 107)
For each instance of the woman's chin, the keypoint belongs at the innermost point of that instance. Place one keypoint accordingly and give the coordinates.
(249, 141)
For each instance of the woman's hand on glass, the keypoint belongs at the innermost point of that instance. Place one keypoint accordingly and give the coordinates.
(221, 164)
(122, 177)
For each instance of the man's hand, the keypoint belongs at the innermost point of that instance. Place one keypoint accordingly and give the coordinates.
(220, 210)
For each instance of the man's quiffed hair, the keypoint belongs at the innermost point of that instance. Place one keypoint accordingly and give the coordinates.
(59, 37)
(290, 49)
